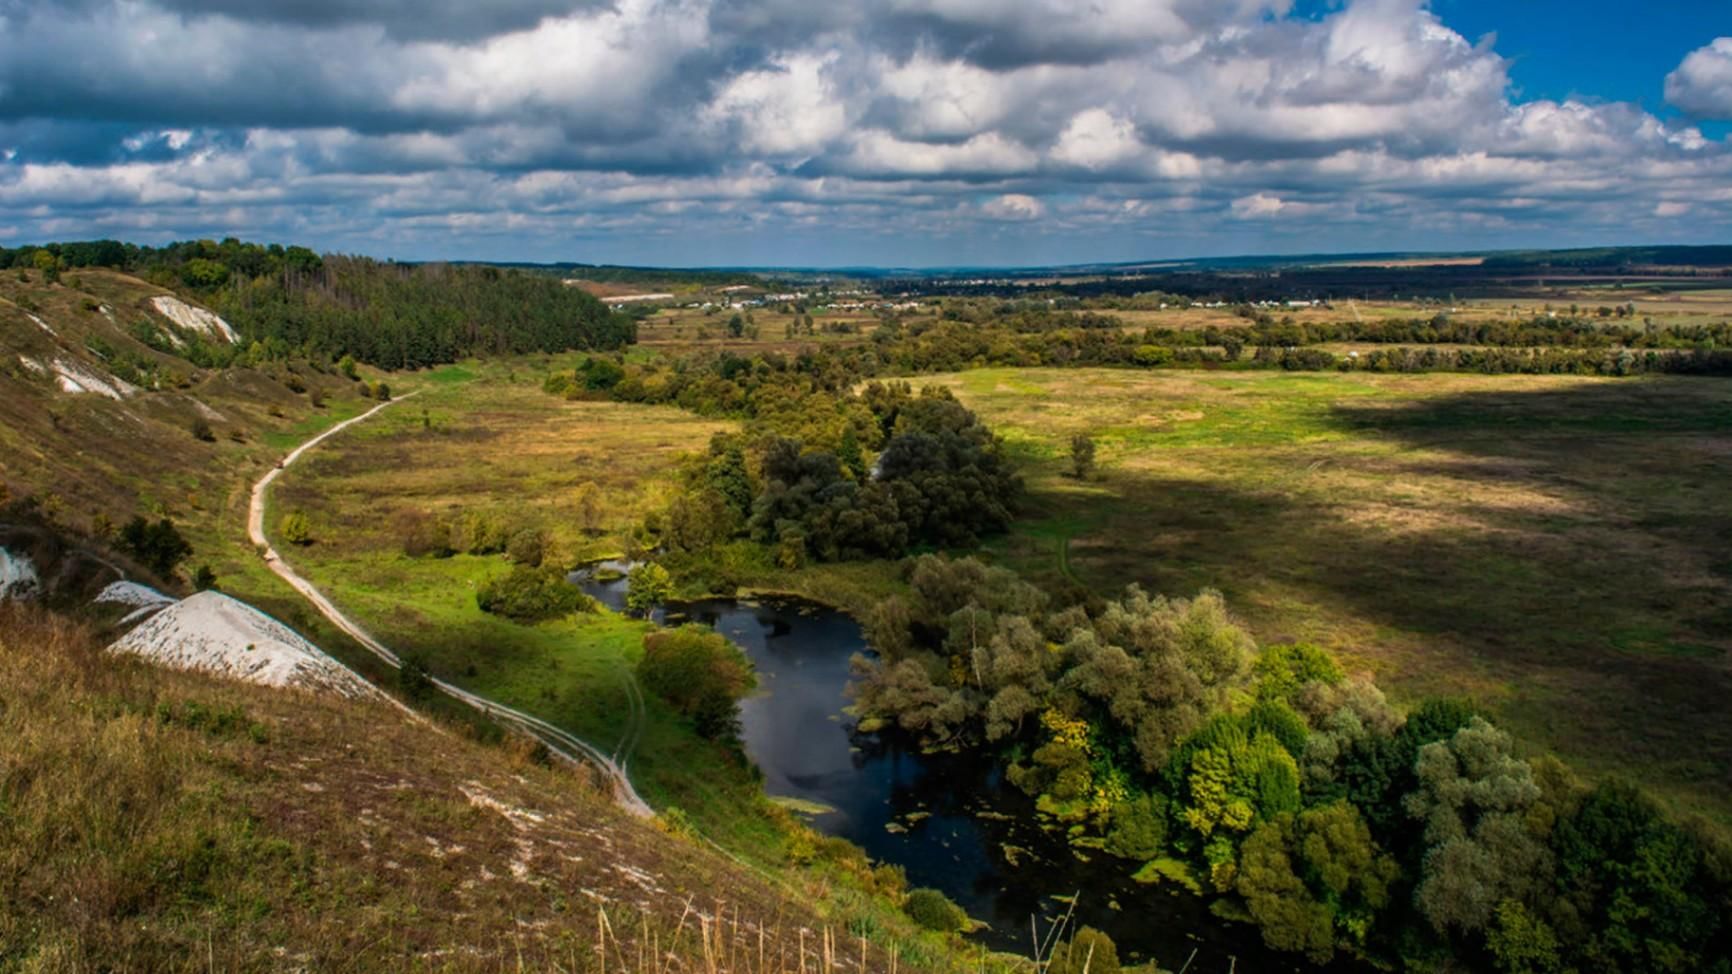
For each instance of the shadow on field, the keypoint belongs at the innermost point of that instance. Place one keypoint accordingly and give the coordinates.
(1567, 553)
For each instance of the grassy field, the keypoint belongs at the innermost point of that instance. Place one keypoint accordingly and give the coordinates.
(492, 441)
(1554, 547)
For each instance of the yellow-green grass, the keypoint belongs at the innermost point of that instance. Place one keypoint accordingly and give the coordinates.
(499, 445)
(1555, 547)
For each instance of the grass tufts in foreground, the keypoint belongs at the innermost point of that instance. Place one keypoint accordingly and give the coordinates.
(153, 820)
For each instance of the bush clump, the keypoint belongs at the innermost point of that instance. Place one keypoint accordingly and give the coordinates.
(934, 911)
(527, 547)
(1089, 952)
(158, 545)
(296, 529)
(532, 595)
(701, 674)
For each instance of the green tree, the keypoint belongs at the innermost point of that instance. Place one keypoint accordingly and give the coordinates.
(204, 579)
(157, 545)
(1287, 914)
(1523, 943)
(1474, 797)
(48, 264)
(647, 586)
(346, 365)
(1139, 828)
(702, 674)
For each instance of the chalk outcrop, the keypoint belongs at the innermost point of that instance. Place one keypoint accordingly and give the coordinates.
(212, 633)
(18, 578)
(193, 318)
(79, 379)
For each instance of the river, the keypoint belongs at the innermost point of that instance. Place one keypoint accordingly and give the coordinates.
(951, 821)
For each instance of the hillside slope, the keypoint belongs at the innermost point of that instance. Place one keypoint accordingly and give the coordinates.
(152, 817)
(105, 411)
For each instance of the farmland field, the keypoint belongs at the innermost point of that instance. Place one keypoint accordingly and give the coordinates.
(1556, 547)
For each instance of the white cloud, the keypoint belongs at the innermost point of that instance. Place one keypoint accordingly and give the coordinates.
(653, 119)
(1702, 84)
(1257, 206)
(1014, 206)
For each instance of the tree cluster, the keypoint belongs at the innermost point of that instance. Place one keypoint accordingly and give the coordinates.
(822, 472)
(1157, 730)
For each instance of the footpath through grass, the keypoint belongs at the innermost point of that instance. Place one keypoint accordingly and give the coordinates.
(484, 438)
(1554, 547)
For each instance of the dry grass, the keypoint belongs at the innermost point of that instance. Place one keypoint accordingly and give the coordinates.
(1555, 547)
(497, 444)
(140, 832)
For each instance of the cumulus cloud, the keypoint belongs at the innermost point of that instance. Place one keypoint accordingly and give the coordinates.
(1257, 206)
(1014, 206)
(626, 128)
(1702, 84)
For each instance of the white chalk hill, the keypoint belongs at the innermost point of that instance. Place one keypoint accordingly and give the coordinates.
(213, 633)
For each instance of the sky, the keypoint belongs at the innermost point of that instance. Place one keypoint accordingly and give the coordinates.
(900, 133)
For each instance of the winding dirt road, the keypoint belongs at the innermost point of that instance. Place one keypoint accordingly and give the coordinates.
(561, 743)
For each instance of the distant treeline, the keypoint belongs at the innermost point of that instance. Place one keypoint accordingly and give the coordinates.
(1603, 326)
(671, 277)
(394, 316)
(1613, 258)
(1085, 340)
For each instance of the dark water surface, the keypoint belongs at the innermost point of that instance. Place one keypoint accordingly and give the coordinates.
(950, 820)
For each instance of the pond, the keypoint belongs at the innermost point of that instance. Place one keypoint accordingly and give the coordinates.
(951, 821)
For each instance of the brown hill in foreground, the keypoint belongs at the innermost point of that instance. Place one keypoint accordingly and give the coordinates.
(159, 820)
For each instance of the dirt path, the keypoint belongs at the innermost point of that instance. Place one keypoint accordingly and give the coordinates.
(561, 743)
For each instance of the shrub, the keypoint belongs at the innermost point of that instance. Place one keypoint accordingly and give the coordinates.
(1139, 828)
(934, 911)
(648, 586)
(1089, 952)
(532, 595)
(204, 579)
(423, 536)
(346, 365)
(701, 674)
(527, 547)
(201, 431)
(476, 533)
(296, 529)
(413, 678)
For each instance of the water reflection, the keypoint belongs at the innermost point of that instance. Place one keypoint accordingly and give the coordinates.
(951, 821)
